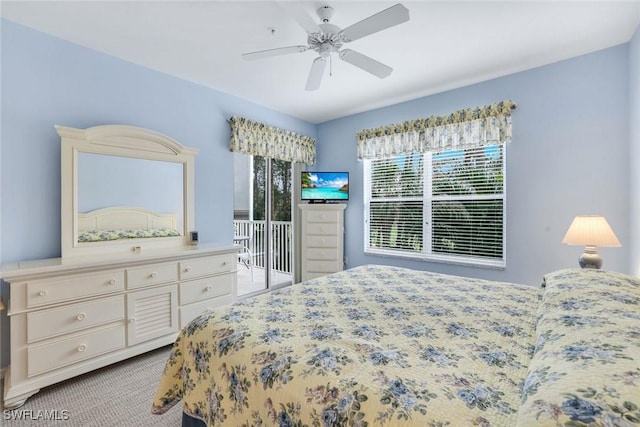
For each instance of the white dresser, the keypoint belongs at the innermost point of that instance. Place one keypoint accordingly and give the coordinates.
(71, 316)
(322, 239)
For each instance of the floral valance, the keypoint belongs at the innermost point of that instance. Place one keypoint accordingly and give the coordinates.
(259, 139)
(472, 127)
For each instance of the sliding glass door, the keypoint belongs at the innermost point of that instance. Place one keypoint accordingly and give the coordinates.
(262, 222)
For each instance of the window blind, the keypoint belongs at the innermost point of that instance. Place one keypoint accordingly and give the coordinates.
(395, 214)
(447, 205)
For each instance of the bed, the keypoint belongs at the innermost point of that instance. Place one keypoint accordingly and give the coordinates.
(125, 222)
(386, 346)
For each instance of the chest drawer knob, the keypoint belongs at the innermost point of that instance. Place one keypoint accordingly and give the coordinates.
(187, 269)
(81, 348)
(132, 319)
(225, 263)
(43, 292)
(208, 288)
(153, 275)
(81, 316)
(112, 282)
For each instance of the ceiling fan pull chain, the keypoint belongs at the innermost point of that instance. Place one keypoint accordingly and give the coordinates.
(330, 65)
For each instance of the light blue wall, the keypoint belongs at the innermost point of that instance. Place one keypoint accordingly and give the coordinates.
(105, 181)
(568, 157)
(634, 152)
(47, 81)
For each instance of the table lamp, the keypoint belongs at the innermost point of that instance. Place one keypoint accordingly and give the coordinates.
(591, 231)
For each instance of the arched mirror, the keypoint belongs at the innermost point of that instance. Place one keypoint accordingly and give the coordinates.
(124, 189)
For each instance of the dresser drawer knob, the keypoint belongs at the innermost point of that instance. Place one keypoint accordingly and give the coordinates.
(112, 281)
(43, 292)
(208, 288)
(81, 316)
(132, 319)
(187, 270)
(153, 275)
(82, 347)
(225, 263)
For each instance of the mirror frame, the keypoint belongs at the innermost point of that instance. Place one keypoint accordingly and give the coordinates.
(123, 141)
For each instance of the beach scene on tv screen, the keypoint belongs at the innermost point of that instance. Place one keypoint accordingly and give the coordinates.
(325, 186)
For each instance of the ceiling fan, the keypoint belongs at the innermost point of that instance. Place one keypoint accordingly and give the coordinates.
(326, 38)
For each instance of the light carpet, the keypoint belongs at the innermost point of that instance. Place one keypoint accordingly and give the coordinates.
(119, 395)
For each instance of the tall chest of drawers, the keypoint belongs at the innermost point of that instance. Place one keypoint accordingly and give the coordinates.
(322, 239)
(68, 317)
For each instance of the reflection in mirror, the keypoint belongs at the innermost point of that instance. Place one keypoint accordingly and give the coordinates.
(106, 181)
(115, 176)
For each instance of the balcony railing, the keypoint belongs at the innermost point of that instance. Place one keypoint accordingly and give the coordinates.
(281, 242)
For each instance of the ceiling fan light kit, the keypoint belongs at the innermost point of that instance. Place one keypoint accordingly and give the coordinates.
(326, 38)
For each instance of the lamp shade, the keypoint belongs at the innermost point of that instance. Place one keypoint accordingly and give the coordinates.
(590, 230)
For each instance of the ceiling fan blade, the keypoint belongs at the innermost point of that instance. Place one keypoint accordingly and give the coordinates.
(273, 52)
(300, 15)
(316, 73)
(394, 15)
(366, 63)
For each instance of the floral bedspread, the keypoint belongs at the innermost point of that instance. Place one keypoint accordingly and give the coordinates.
(129, 233)
(586, 366)
(374, 345)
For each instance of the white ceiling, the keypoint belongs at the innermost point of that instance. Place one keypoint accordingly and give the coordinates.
(445, 45)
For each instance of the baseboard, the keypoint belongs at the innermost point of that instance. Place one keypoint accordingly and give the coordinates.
(2, 373)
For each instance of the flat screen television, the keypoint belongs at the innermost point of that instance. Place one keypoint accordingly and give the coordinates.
(324, 187)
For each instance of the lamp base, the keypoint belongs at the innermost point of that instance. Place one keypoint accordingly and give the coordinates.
(590, 258)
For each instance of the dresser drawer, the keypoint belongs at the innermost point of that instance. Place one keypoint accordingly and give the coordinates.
(322, 254)
(63, 352)
(75, 317)
(321, 241)
(325, 267)
(191, 311)
(197, 290)
(67, 288)
(310, 275)
(318, 216)
(151, 274)
(322, 228)
(206, 266)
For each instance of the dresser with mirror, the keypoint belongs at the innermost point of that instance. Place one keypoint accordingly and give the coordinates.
(130, 274)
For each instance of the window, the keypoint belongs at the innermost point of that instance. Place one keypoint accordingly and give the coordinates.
(446, 206)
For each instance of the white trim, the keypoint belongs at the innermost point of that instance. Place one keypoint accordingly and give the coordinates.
(444, 259)
(427, 210)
